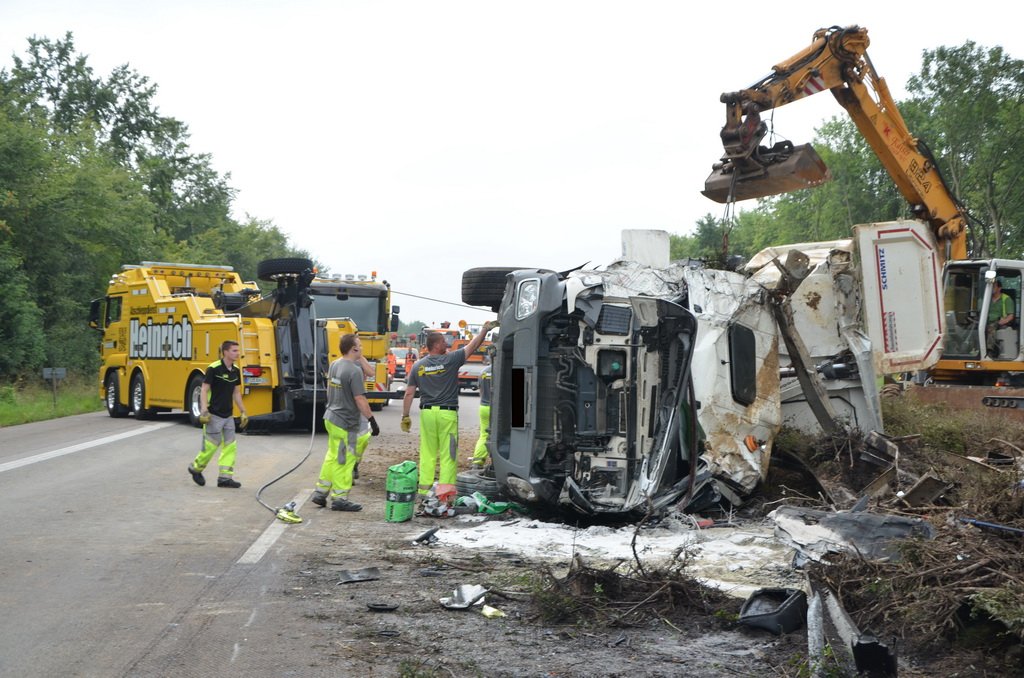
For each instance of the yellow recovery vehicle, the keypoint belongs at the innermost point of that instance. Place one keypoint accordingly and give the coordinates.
(163, 324)
(837, 61)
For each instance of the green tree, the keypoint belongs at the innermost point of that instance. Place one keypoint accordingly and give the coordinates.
(55, 84)
(968, 101)
(93, 177)
(21, 332)
(241, 246)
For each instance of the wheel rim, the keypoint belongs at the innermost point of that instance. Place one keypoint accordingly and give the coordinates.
(194, 400)
(111, 394)
(137, 395)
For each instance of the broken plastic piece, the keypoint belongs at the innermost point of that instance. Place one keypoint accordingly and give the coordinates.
(491, 612)
(777, 610)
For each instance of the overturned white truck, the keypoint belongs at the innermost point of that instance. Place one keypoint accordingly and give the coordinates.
(651, 384)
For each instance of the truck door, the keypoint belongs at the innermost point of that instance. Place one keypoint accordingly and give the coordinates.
(901, 274)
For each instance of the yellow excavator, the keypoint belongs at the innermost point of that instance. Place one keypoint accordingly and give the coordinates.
(981, 340)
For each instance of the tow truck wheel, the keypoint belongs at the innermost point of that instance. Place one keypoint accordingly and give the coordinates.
(138, 397)
(192, 399)
(486, 286)
(113, 397)
(272, 269)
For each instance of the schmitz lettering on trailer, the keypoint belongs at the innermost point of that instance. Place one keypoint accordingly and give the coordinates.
(882, 275)
(160, 341)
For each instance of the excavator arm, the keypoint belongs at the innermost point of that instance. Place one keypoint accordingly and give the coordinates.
(836, 60)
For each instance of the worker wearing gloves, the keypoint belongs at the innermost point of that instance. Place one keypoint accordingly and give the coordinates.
(436, 376)
(222, 388)
(349, 423)
(484, 386)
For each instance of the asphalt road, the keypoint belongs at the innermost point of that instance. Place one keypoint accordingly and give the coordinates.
(114, 563)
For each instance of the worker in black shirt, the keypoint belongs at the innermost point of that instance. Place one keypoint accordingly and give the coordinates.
(222, 388)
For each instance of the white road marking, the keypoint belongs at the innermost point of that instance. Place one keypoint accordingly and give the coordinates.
(270, 535)
(53, 454)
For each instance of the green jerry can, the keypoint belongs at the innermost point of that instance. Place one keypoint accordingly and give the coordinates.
(401, 492)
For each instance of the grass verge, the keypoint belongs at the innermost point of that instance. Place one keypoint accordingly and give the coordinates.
(28, 401)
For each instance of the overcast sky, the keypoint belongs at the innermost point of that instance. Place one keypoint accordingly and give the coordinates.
(421, 138)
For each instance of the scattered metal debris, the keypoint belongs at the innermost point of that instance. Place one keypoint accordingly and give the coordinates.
(364, 574)
(874, 536)
(427, 537)
(464, 597)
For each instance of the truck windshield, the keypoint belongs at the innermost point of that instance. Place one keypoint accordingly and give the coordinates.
(365, 311)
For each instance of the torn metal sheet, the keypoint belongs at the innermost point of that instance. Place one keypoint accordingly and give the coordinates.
(464, 597)
(364, 574)
(853, 652)
(926, 490)
(874, 536)
(881, 486)
(722, 302)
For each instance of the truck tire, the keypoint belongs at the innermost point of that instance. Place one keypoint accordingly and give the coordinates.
(484, 482)
(112, 397)
(192, 399)
(137, 397)
(485, 286)
(272, 269)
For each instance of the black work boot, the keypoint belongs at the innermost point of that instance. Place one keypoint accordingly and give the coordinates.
(319, 498)
(228, 482)
(345, 505)
(197, 476)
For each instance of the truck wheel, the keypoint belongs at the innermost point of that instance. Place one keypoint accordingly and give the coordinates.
(113, 397)
(192, 399)
(484, 482)
(485, 286)
(138, 397)
(272, 269)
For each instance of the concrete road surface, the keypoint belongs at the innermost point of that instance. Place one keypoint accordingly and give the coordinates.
(114, 563)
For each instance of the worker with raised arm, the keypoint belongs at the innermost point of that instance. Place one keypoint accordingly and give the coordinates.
(222, 388)
(436, 376)
(349, 423)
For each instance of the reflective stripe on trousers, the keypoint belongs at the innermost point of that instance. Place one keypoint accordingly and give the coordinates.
(344, 450)
(219, 433)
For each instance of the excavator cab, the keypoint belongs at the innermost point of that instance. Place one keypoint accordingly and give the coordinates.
(972, 331)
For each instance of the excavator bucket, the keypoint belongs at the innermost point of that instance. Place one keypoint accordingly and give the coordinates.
(800, 167)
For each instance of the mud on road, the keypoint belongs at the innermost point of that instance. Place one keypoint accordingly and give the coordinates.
(333, 629)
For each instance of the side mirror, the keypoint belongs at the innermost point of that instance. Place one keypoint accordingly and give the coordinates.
(94, 314)
(395, 310)
(394, 322)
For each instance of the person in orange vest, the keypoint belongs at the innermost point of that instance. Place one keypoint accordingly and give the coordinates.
(392, 363)
(410, 359)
